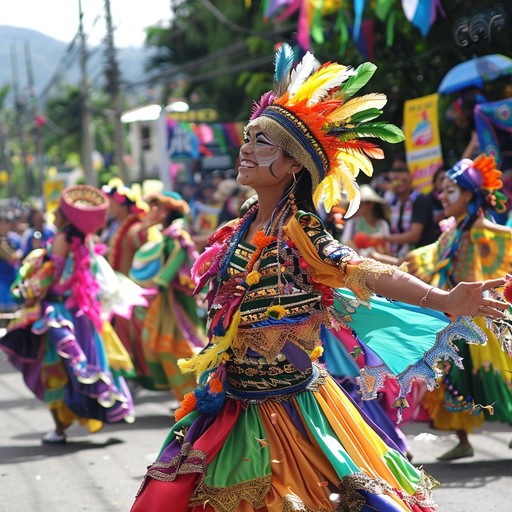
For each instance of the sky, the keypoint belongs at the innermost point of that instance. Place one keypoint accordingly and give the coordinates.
(60, 18)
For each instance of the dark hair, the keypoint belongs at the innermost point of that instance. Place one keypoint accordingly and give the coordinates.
(304, 193)
(437, 173)
(171, 216)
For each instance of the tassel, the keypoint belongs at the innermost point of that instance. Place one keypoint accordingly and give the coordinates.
(211, 357)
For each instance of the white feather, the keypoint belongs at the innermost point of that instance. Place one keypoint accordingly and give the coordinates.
(307, 65)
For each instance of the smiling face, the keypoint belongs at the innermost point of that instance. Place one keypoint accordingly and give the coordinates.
(264, 164)
(454, 199)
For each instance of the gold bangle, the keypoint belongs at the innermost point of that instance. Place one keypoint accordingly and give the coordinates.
(424, 300)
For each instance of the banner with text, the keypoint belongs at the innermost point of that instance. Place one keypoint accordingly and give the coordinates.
(422, 141)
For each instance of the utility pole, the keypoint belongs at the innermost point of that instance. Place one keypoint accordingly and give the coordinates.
(87, 146)
(112, 73)
(33, 115)
(19, 108)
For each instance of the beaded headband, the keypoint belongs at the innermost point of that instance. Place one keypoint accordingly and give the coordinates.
(313, 115)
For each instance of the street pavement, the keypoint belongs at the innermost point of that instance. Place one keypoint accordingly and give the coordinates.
(101, 472)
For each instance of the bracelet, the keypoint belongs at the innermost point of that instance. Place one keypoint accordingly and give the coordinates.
(424, 300)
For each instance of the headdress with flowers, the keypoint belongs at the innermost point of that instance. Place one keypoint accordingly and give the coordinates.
(313, 115)
(481, 177)
(124, 195)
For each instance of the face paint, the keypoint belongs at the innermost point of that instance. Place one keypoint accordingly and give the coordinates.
(452, 193)
(265, 151)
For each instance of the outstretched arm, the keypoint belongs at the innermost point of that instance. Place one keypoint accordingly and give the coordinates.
(464, 299)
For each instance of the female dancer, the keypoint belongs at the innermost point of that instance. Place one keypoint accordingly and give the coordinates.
(68, 354)
(267, 428)
(472, 248)
(170, 328)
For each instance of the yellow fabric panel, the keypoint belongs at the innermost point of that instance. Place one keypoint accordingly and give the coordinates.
(118, 357)
(321, 271)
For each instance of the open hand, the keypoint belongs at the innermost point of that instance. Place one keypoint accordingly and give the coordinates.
(469, 299)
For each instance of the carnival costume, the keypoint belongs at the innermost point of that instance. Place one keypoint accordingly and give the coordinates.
(467, 251)
(62, 343)
(268, 428)
(170, 328)
(126, 237)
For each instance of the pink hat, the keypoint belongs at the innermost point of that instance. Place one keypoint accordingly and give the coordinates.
(85, 207)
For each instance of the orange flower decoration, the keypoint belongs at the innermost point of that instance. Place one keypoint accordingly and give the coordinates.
(187, 405)
(507, 291)
(260, 241)
(486, 165)
(216, 385)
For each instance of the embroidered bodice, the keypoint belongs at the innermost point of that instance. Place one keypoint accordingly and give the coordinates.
(287, 301)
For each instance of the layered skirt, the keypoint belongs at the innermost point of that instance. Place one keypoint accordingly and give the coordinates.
(77, 369)
(283, 440)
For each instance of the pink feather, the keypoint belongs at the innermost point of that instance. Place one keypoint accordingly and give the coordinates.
(206, 265)
(259, 106)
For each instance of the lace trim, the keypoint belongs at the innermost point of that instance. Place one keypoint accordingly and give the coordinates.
(186, 462)
(268, 341)
(371, 378)
(292, 503)
(362, 278)
(352, 501)
(227, 499)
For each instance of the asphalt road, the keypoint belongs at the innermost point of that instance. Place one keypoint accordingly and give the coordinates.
(102, 472)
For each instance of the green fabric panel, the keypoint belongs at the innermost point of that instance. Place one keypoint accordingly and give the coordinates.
(324, 435)
(174, 262)
(242, 453)
(399, 333)
(405, 473)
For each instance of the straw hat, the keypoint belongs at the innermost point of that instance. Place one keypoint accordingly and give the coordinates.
(368, 195)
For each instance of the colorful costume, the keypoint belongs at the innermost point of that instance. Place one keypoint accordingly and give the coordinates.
(68, 354)
(268, 428)
(465, 253)
(170, 328)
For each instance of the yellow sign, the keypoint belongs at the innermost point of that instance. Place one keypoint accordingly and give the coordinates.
(201, 115)
(51, 192)
(422, 141)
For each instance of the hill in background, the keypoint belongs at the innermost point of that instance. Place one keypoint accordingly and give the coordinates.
(56, 62)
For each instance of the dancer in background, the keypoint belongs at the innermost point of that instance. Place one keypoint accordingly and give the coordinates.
(170, 328)
(267, 428)
(68, 354)
(472, 247)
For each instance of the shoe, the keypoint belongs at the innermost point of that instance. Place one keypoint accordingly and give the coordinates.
(54, 438)
(458, 452)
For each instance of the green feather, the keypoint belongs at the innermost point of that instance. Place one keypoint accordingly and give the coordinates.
(385, 131)
(365, 115)
(364, 72)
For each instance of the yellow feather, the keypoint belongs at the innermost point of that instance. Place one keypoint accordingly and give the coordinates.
(317, 85)
(351, 107)
(356, 161)
(350, 188)
(329, 191)
(211, 357)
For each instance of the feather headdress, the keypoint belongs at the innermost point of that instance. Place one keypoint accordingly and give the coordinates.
(313, 115)
(481, 177)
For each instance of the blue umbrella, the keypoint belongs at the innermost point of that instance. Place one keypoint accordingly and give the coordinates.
(475, 72)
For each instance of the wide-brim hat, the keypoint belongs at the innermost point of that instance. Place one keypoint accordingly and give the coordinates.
(85, 207)
(368, 195)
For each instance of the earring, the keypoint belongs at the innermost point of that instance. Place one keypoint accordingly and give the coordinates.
(291, 196)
